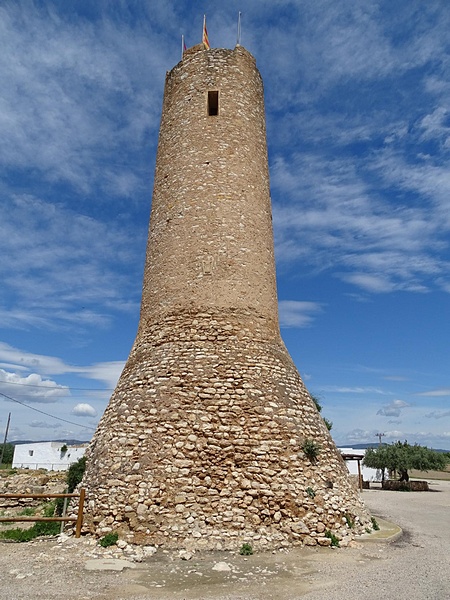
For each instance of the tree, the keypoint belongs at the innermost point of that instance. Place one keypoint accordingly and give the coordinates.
(401, 456)
(75, 474)
(8, 453)
(327, 422)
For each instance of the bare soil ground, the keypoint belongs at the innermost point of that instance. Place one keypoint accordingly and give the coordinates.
(416, 565)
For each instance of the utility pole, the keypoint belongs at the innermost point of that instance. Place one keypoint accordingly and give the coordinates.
(379, 436)
(4, 441)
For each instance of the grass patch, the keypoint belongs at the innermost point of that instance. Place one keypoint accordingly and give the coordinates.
(27, 512)
(246, 550)
(38, 529)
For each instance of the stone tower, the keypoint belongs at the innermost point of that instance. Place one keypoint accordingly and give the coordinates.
(210, 438)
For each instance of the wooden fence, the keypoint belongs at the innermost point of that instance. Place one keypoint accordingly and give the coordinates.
(78, 520)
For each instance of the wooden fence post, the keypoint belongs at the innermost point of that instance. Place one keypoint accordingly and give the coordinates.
(80, 513)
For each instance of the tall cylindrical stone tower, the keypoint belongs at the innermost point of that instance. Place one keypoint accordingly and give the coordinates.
(210, 438)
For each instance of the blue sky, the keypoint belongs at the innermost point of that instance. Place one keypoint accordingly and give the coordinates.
(358, 122)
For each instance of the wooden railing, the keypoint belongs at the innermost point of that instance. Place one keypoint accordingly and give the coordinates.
(78, 520)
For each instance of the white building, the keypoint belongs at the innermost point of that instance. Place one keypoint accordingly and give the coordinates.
(53, 456)
(352, 464)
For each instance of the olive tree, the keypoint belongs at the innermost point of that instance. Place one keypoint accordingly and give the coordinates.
(401, 456)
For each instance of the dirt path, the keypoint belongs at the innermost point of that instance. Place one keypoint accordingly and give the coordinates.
(414, 566)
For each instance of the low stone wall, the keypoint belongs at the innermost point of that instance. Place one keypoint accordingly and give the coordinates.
(406, 486)
(29, 482)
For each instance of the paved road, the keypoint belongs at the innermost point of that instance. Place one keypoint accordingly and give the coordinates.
(415, 567)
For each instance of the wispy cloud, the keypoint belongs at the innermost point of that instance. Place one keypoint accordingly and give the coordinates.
(45, 425)
(49, 64)
(354, 390)
(438, 414)
(63, 268)
(436, 393)
(345, 224)
(298, 314)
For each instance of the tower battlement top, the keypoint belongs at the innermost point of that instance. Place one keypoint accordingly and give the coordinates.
(200, 52)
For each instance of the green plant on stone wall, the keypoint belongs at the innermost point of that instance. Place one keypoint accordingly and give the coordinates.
(349, 520)
(333, 538)
(311, 450)
(375, 524)
(311, 493)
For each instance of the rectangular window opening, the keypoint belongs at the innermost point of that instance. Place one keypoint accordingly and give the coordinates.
(213, 103)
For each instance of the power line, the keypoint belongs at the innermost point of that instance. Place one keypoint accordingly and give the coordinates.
(46, 414)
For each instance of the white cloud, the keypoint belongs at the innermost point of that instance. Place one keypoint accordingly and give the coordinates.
(84, 410)
(109, 372)
(41, 364)
(393, 409)
(31, 388)
(298, 314)
(360, 436)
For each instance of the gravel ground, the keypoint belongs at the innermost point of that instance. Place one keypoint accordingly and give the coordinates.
(416, 565)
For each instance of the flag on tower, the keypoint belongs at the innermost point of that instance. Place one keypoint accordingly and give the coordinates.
(238, 43)
(205, 39)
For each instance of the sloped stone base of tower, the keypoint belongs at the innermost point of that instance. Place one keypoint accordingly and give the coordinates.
(201, 445)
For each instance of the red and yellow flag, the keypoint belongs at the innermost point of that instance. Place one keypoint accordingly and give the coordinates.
(205, 39)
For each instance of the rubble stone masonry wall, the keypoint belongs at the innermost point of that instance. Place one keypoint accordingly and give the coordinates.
(202, 443)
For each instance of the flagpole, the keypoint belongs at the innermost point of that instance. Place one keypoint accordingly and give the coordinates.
(238, 43)
(182, 46)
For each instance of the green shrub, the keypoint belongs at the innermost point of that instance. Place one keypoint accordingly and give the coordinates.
(75, 474)
(246, 550)
(375, 524)
(108, 540)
